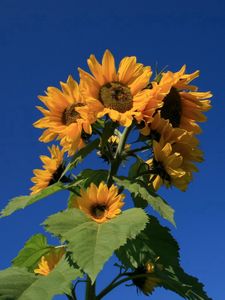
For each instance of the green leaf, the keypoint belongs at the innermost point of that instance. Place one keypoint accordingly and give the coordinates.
(23, 201)
(56, 283)
(158, 204)
(155, 241)
(187, 286)
(91, 243)
(93, 176)
(19, 284)
(80, 155)
(156, 244)
(30, 255)
(13, 281)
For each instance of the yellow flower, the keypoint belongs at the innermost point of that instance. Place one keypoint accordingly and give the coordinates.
(167, 167)
(65, 117)
(49, 261)
(123, 94)
(182, 141)
(146, 284)
(52, 170)
(100, 203)
(183, 105)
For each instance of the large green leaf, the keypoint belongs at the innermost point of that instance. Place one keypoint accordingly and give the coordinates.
(13, 282)
(30, 255)
(56, 283)
(155, 241)
(91, 243)
(187, 286)
(18, 284)
(158, 204)
(156, 244)
(80, 155)
(23, 201)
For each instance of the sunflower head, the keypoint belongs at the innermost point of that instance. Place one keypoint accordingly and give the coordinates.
(66, 116)
(182, 104)
(146, 284)
(53, 168)
(99, 202)
(167, 167)
(122, 93)
(49, 261)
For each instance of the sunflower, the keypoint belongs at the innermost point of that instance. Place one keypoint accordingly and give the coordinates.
(146, 284)
(167, 167)
(100, 203)
(65, 117)
(53, 168)
(49, 261)
(183, 105)
(123, 94)
(181, 140)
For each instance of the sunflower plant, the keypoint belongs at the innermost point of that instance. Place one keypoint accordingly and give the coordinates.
(121, 115)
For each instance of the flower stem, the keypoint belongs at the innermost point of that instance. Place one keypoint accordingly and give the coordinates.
(116, 283)
(90, 290)
(118, 159)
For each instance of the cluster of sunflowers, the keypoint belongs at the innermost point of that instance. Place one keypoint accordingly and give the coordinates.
(101, 113)
(165, 110)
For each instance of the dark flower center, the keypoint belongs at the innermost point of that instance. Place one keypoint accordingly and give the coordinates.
(56, 175)
(140, 282)
(158, 169)
(70, 115)
(172, 108)
(116, 96)
(155, 135)
(98, 211)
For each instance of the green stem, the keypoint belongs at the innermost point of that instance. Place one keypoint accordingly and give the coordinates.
(114, 284)
(90, 290)
(118, 159)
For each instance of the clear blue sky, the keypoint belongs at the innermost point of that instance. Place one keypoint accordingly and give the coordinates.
(43, 41)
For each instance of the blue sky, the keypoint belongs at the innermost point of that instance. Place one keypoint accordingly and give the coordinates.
(42, 42)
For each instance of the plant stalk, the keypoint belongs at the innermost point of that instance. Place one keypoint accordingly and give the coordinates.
(90, 290)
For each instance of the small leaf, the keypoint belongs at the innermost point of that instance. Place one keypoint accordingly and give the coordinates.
(92, 244)
(23, 201)
(93, 176)
(30, 255)
(157, 203)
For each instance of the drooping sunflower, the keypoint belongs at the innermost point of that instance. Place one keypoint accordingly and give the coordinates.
(167, 167)
(146, 284)
(181, 140)
(64, 117)
(53, 168)
(49, 261)
(123, 94)
(100, 203)
(183, 105)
